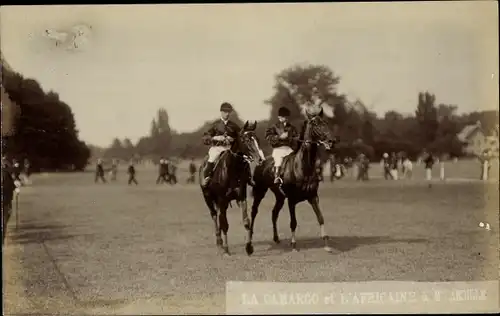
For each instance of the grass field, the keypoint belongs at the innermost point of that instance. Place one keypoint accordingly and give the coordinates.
(118, 249)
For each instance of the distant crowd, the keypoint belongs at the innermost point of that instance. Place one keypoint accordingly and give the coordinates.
(167, 172)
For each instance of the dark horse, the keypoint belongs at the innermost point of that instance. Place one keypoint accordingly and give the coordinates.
(229, 182)
(300, 179)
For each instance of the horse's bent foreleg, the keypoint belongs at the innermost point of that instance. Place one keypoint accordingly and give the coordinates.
(293, 222)
(321, 221)
(278, 205)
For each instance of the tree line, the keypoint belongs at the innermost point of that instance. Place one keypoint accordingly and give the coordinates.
(45, 129)
(432, 126)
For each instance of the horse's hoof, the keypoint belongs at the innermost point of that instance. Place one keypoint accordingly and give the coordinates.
(249, 249)
(276, 239)
(328, 249)
(294, 247)
(219, 242)
(225, 252)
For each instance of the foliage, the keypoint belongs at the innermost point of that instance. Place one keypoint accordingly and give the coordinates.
(359, 130)
(46, 132)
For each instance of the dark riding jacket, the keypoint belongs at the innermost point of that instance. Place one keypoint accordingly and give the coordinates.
(219, 128)
(273, 133)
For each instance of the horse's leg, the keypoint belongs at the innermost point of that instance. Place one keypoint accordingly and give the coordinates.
(258, 193)
(224, 227)
(293, 222)
(213, 213)
(246, 221)
(321, 221)
(278, 205)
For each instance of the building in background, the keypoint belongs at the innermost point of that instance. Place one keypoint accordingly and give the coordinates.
(477, 140)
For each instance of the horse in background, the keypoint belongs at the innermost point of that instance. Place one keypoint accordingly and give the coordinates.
(300, 179)
(229, 182)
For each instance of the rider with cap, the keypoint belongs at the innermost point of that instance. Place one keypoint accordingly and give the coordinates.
(281, 137)
(221, 136)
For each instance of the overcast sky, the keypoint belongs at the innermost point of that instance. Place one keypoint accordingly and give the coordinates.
(190, 58)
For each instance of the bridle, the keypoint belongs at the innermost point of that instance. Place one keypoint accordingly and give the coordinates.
(248, 139)
(327, 144)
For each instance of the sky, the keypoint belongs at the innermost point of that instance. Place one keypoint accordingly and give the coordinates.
(189, 59)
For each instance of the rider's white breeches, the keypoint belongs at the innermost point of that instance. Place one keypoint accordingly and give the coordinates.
(279, 153)
(215, 151)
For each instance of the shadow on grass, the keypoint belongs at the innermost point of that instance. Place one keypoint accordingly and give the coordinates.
(338, 243)
(34, 233)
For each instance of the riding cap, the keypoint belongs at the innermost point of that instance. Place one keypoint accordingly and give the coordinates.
(283, 111)
(226, 107)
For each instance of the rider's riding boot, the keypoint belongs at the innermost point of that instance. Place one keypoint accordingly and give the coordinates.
(208, 173)
(277, 178)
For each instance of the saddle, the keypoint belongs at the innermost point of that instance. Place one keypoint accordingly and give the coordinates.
(284, 163)
(234, 184)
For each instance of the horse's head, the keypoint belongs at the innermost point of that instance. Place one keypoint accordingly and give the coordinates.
(250, 144)
(317, 131)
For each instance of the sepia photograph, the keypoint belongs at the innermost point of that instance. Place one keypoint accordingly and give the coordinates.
(277, 158)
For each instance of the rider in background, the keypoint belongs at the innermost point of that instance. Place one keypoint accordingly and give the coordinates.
(281, 136)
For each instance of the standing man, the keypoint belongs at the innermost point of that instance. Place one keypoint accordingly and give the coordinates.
(408, 168)
(332, 162)
(386, 164)
(161, 172)
(99, 172)
(114, 170)
(171, 172)
(192, 171)
(131, 174)
(17, 170)
(394, 166)
(429, 162)
(281, 136)
(27, 171)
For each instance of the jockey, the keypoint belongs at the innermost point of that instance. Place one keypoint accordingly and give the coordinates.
(281, 136)
(221, 136)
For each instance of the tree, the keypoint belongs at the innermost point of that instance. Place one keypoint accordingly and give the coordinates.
(115, 151)
(427, 118)
(368, 131)
(446, 111)
(128, 149)
(393, 116)
(300, 86)
(46, 129)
